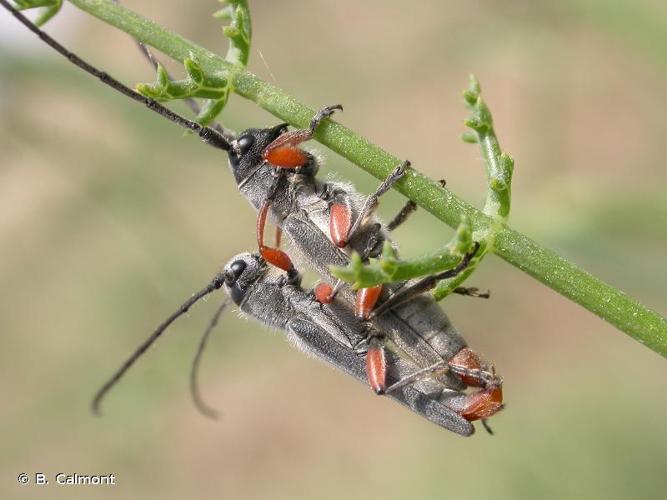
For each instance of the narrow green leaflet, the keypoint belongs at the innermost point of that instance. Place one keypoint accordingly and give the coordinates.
(215, 89)
(239, 30)
(48, 8)
(499, 169)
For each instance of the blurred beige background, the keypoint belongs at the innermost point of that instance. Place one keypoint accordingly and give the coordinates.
(110, 217)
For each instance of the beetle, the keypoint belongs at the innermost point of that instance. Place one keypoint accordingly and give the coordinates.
(332, 333)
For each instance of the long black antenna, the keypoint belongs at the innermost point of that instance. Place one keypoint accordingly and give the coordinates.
(207, 134)
(189, 101)
(215, 283)
(194, 371)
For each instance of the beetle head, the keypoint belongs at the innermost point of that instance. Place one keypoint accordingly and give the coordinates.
(241, 273)
(245, 155)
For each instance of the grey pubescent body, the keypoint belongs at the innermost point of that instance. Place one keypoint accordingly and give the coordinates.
(331, 333)
(418, 328)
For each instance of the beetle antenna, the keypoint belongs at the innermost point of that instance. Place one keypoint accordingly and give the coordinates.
(203, 408)
(208, 135)
(189, 101)
(215, 283)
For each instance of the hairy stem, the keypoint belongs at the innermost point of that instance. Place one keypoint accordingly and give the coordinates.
(611, 304)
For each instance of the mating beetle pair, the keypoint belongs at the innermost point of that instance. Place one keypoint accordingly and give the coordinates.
(314, 215)
(410, 348)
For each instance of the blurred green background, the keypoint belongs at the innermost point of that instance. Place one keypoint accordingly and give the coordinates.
(110, 217)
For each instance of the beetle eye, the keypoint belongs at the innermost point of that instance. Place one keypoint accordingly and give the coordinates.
(237, 269)
(245, 143)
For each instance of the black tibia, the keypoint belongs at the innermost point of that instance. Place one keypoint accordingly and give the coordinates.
(407, 210)
(429, 371)
(323, 113)
(208, 135)
(371, 202)
(423, 285)
(298, 136)
(293, 277)
(472, 291)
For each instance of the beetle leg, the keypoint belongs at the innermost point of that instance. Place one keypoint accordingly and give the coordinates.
(323, 113)
(340, 221)
(341, 228)
(487, 427)
(405, 212)
(376, 364)
(371, 202)
(279, 234)
(284, 151)
(273, 256)
(365, 301)
(430, 371)
(478, 405)
(472, 291)
(474, 372)
(482, 404)
(324, 293)
(288, 156)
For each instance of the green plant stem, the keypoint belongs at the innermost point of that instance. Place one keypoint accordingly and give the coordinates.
(611, 304)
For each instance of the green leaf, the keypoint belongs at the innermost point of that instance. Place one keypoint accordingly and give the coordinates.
(214, 89)
(499, 165)
(239, 31)
(194, 71)
(48, 8)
